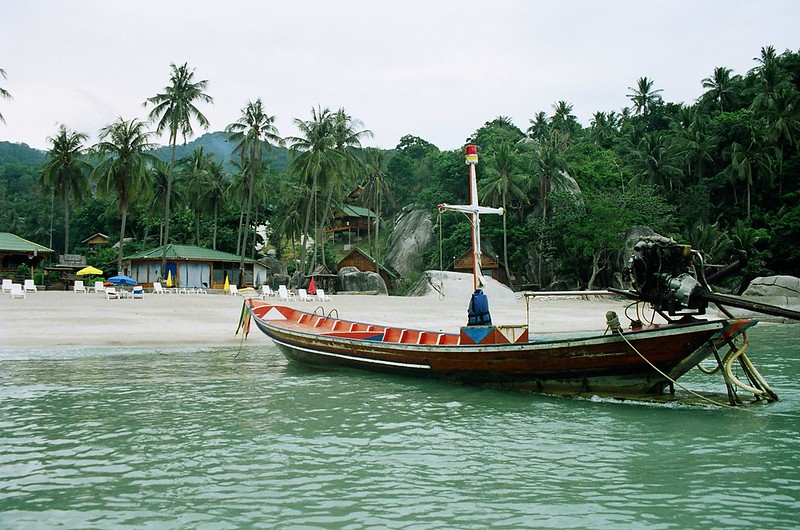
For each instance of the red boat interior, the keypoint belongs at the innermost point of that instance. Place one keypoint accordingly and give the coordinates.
(290, 318)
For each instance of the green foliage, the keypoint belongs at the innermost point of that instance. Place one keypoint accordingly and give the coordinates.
(720, 173)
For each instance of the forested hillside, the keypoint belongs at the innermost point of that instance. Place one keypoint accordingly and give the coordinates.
(720, 173)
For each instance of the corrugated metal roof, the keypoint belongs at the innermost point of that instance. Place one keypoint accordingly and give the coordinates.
(13, 243)
(357, 211)
(186, 252)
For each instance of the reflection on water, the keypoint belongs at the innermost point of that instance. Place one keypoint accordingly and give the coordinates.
(209, 439)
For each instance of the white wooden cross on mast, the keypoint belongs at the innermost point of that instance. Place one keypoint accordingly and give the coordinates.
(473, 210)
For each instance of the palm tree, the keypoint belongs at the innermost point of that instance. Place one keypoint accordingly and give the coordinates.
(124, 147)
(720, 86)
(644, 97)
(347, 136)
(290, 222)
(314, 159)
(4, 94)
(750, 162)
(563, 120)
(66, 172)
(696, 146)
(656, 162)
(174, 110)
(540, 128)
(501, 184)
(195, 173)
(550, 167)
(252, 133)
(374, 190)
(603, 128)
(214, 193)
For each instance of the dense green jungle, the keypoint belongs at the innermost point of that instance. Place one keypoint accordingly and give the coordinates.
(721, 174)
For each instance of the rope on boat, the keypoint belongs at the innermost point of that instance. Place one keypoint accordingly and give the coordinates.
(753, 374)
(617, 328)
(244, 325)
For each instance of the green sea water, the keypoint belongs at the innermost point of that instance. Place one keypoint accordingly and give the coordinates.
(210, 439)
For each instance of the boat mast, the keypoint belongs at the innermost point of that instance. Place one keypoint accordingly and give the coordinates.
(473, 209)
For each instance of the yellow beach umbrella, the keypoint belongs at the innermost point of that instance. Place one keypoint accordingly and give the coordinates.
(169, 278)
(89, 270)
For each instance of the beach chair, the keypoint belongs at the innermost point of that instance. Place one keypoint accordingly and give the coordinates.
(79, 287)
(138, 292)
(303, 296)
(17, 291)
(284, 294)
(111, 293)
(233, 290)
(7, 286)
(30, 287)
(266, 292)
(158, 289)
(98, 288)
(322, 297)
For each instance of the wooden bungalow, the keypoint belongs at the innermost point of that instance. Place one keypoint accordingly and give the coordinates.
(16, 251)
(96, 239)
(351, 219)
(364, 262)
(491, 267)
(323, 279)
(189, 266)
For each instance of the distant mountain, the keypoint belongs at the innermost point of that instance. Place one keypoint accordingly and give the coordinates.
(218, 145)
(20, 154)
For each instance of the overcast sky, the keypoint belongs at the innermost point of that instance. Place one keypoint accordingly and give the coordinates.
(434, 69)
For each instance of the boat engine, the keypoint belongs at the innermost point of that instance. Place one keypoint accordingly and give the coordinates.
(671, 277)
(661, 272)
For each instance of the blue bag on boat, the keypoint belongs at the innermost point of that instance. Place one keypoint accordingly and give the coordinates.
(478, 311)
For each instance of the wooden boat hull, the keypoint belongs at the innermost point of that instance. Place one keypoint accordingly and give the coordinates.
(595, 363)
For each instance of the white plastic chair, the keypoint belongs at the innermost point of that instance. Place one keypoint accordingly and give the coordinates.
(322, 297)
(111, 293)
(17, 291)
(303, 296)
(7, 286)
(158, 289)
(233, 290)
(284, 294)
(266, 292)
(79, 287)
(99, 287)
(30, 287)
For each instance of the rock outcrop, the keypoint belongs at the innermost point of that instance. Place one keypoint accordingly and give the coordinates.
(781, 291)
(353, 280)
(411, 238)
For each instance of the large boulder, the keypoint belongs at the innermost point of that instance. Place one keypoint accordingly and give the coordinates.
(781, 291)
(353, 280)
(411, 238)
(774, 286)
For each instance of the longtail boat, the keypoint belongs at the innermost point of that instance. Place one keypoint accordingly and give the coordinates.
(639, 360)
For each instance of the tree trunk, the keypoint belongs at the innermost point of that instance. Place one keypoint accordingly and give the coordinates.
(304, 236)
(173, 139)
(122, 239)
(66, 224)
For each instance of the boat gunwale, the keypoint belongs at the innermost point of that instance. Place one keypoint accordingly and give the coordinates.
(592, 339)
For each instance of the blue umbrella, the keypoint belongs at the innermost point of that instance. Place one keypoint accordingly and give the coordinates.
(122, 280)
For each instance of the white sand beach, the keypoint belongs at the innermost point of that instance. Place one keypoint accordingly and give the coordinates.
(58, 318)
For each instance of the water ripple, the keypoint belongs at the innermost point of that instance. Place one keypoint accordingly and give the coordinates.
(200, 439)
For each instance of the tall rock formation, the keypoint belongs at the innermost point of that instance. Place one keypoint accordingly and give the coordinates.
(411, 238)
